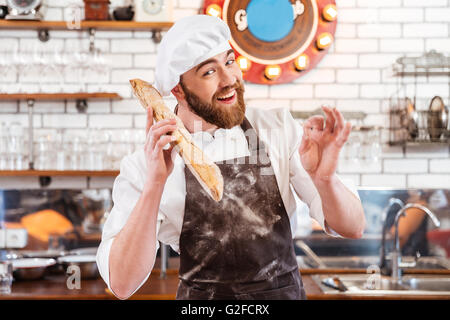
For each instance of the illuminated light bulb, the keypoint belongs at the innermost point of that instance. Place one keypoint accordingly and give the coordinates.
(214, 10)
(301, 62)
(244, 63)
(272, 72)
(329, 12)
(324, 40)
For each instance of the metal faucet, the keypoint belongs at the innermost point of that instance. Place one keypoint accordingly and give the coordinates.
(308, 251)
(164, 260)
(391, 203)
(397, 263)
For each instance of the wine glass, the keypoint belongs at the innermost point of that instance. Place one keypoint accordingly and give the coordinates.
(60, 61)
(45, 159)
(102, 67)
(82, 59)
(15, 146)
(354, 147)
(78, 151)
(61, 154)
(6, 67)
(40, 62)
(22, 62)
(372, 147)
(4, 133)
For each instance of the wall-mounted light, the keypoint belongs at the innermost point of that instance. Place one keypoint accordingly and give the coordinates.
(329, 12)
(272, 72)
(301, 62)
(324, 40)
(214, 10)
(244, 63)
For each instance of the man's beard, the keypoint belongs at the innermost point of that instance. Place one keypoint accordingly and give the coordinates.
(222, 116)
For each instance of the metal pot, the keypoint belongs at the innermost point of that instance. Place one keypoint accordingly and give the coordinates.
(436, 126)
(447, 116)
(437, 118)
(411, 119)
(86, 263)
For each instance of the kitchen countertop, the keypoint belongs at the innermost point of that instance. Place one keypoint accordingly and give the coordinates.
(54, 287)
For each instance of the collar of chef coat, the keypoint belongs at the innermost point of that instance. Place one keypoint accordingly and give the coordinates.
(224, 144)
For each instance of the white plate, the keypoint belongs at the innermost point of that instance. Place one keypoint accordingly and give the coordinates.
(77, 259)
(32, 263)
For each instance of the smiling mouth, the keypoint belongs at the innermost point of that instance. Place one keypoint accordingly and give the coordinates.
(228, 97)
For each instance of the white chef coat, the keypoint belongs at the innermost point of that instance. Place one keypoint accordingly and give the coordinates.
(281, 135)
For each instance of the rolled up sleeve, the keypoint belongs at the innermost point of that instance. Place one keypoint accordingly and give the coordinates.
(127, 189)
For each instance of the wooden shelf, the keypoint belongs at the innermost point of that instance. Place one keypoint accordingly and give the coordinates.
(422, 74)
(60, 96)
(55, 173)
(99, 25)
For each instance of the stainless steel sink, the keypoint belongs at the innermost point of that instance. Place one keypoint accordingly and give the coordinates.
(370, 284)
(428, 284)
(363, 262)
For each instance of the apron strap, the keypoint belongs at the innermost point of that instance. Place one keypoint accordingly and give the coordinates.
(253, 141)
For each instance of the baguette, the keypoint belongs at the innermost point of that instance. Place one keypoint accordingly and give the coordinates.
(204, 170)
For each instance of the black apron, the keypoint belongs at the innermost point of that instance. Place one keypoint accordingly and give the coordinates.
(240, 247)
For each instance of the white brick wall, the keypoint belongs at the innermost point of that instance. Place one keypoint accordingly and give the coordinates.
(405, 166)
(377, 180)
(354, 76)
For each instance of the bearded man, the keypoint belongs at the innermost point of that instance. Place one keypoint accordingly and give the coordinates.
(240, 247)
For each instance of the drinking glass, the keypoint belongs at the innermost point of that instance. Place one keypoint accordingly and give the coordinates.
(372, 146)
(81, 63)
(139, 139)
(6, 277)
(354, 147)
(3, 146)
(76, 153)
(6, 68)
(128, 142)
(95, 150)
(16, 144)
(60, 61)
(40, 63)
(108, 150)
(102, 138)
(22, 63)
(45, 159)
(61, 155)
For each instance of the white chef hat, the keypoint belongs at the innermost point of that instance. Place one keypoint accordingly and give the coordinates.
(189, 42)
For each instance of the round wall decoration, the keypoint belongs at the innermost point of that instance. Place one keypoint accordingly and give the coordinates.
(277, 41)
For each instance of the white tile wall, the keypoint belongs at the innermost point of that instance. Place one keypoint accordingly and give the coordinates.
(353, 76)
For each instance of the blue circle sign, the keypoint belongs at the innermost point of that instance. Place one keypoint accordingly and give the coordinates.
(270, 20)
